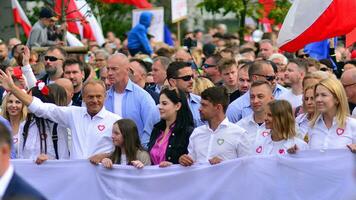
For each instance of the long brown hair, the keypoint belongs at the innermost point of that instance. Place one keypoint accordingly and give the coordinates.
(283, 119)
(132, 142)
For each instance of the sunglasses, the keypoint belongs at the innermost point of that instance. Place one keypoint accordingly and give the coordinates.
(51, 58)
(207, 66)
(185, 78)
(268, 78)
(324, 69)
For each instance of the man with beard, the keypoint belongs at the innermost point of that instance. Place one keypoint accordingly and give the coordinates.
(54, 59)
(74, 71)
(180, 75)
(211, 70)
(219, 139)
(4, 60)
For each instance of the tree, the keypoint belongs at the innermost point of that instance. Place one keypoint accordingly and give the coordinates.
(243, 9)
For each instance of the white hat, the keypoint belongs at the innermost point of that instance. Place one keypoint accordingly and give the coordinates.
(257, 35)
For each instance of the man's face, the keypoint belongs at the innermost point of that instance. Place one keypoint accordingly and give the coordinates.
(46, 22)
(184, 81)
(3, 52)
(53, 62)
(158, 73)
(267, 74)
(349, 85)
(182, 55)
(94, 97)
(292, 74)
(100, 61)
(18, 54)
(207, 110)
(229, 76)
(73, 73)
(243, 80)
(4, 157)
(136, 72)
(260, 96)
(210, 68)
(266, 50)
(118, 69)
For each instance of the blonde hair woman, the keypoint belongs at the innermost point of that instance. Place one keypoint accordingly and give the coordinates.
(331, 126)
(280, 133)
(200, 84)
(15, 112)
(303, 120)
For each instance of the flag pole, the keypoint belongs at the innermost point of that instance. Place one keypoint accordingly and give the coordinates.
(178, 32)
(17, 31)
(63, 20)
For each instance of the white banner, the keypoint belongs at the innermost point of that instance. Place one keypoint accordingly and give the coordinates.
(179, 10)
(157, 25)
(310, 175)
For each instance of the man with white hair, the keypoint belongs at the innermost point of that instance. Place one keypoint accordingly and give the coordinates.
(266, 48)
(281, 62)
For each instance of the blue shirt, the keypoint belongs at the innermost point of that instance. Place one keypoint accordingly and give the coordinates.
(137, 105)
(241, 106)
(8, 126)
(194, 105)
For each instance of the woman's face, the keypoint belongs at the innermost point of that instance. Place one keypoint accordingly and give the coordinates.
(325, 100)
(309, 101)
(117, 137)
(14, 106)
(268, 118)
(167, 109)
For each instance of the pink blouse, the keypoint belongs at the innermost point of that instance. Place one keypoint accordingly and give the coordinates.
(158, 151)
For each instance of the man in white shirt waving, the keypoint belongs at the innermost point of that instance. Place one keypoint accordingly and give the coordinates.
(91, 126)
(219, 139)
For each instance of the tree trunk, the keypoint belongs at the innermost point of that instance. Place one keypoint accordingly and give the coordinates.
(242, 21)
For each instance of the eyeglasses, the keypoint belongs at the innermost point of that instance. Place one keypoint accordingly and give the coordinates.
(185, 78)
(205, 65)
(52, 58)
(268, 78)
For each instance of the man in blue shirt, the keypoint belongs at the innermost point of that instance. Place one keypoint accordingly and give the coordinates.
(180, 75)
(129, 100)
(259, 70)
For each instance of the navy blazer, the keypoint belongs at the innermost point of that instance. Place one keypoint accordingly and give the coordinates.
(19, 189)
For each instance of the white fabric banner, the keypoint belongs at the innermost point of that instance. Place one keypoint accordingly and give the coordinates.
(309, 175)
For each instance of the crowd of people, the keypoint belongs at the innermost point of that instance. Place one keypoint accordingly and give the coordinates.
(140, 102)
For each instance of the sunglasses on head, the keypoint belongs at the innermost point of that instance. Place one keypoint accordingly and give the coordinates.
(268, 78)
(51, 58)
(185, 78)
(207, 66)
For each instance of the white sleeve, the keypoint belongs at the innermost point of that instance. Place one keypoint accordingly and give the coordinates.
(243, 145)
(57, 114)
(191, 151)
(29, 75)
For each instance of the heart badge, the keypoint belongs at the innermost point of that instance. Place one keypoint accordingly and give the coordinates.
(259, 149)
(101, 127)
(340, 131)
(220, 141)
(281, 151)
(15, 140)
(265, 133)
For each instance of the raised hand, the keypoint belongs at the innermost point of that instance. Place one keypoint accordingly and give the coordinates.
(6, 80)
(26, 56)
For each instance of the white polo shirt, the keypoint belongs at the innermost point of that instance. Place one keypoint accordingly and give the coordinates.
(333, 138)
(251, 127)
(90, 135)
(228, 141)
(264, 144)
(302, 123)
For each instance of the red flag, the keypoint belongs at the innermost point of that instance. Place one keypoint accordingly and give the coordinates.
(351, 38)
(310, 21)
(137, 3)
(79, 22)
(20, 17)
(268, 5)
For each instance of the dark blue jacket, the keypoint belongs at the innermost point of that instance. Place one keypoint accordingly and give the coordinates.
(137, 37)
(20, 189)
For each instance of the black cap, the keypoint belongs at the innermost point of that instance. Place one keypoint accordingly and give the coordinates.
(46, 13)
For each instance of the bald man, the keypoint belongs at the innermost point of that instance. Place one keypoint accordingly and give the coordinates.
(68, 86)
(129, 100)
(348, 80)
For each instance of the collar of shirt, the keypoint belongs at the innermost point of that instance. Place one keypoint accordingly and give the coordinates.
(129, 87)
(278, 90)
(320, 121)
(194, 98)
(251, 120)
(224, 123)
(100, 114)
(5, 180)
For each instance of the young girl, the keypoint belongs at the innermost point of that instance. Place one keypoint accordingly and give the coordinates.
(280, 133)
(128, 149)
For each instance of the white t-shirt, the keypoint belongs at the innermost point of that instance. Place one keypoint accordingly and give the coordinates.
(252, 128)
(118, 102)
(294, 100)
(266, 146)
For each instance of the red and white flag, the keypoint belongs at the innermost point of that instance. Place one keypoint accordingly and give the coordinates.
(81, 20)
(20, 17)
(315, 20)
